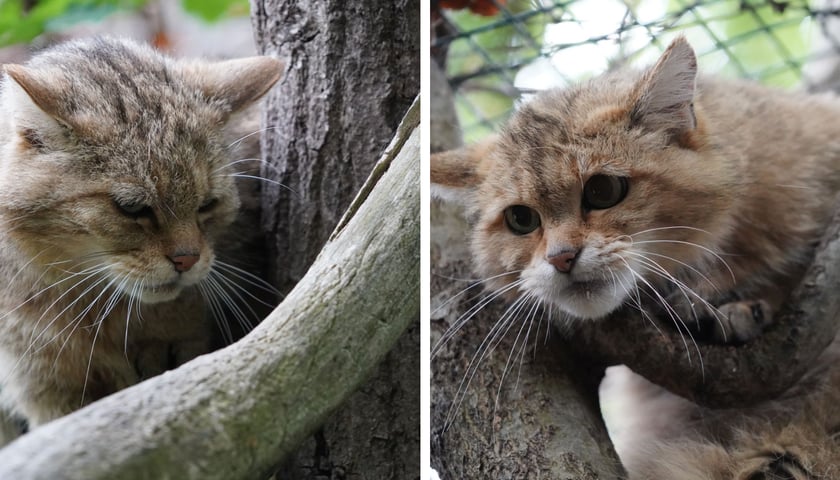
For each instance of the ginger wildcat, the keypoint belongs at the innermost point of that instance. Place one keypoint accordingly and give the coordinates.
(114, 192)
(701, 196)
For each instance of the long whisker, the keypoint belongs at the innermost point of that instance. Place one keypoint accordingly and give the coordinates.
(673, 227)
(683, 264)
(513, 349)
(247, 277)
(675, 317)
(475, 285)
(500, 328)
(692, 244)
(232, 288)
(469, 314)
(267, 180)
(217, 311)
(256, 132)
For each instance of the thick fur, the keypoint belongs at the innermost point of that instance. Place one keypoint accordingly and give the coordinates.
(92, 300)
(730, 186)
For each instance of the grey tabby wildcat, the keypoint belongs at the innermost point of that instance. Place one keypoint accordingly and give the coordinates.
(114, 193)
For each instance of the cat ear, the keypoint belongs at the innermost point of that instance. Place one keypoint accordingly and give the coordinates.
(239, 82)
(39, 87)
(455, 174)
(665, 94)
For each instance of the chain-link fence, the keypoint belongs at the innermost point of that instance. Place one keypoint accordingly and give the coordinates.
(494, 51)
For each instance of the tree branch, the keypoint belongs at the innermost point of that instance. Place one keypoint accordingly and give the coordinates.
(236, 412)
(729, 376)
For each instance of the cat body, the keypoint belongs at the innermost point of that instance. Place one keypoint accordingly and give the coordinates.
(114, 194)
(700, 195)
(794, 436)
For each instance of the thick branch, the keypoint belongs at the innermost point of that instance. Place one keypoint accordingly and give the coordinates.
(232, 414)
(730, 376)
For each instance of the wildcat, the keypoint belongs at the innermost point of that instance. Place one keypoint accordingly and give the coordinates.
(114, 194)
(705, 195)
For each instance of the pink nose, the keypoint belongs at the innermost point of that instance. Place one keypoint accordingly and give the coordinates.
(183, 262)
(564, 260)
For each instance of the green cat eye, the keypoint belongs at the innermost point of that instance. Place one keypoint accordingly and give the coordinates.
(521, 220)
(604, 191)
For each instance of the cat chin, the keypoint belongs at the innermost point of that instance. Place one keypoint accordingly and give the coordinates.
(158, 294)
(589, 299)
(589, 306)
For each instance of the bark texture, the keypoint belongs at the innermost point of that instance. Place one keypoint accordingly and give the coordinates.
(352, 70)
(540, 419)
(234, 413)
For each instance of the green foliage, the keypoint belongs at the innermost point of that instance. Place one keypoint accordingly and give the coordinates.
(213, 10)
(765, 40)
(496, 42)
(18, 25)
(760, 39)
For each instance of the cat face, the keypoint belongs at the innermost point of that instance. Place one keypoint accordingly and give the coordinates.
(590, 192)
(114, 160)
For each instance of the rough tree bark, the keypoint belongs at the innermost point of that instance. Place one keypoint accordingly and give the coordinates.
(235, 413)
(352, 70)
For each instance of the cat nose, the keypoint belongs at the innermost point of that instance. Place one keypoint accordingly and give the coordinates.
(564, 260)
(183, 262)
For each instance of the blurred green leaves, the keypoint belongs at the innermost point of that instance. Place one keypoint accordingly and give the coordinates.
(213, 10)
(23, 20)
(474, 63)
(769, 41)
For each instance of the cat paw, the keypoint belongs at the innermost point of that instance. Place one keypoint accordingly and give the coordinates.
(731, 323)
(741, 321)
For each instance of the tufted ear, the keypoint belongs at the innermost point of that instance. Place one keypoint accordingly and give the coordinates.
(664, 97)
(455, 174)
(238, 83)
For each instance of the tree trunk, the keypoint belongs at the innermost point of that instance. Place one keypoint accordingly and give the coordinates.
(352, 71)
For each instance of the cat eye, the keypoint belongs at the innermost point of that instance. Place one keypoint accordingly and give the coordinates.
(521, 220)
(604, 191)
(208, 205)
(134, 210)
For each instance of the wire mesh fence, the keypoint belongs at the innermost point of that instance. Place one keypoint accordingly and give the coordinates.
(494, 52)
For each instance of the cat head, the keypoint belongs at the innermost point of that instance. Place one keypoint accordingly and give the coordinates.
(591, 190)
(113, 156)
